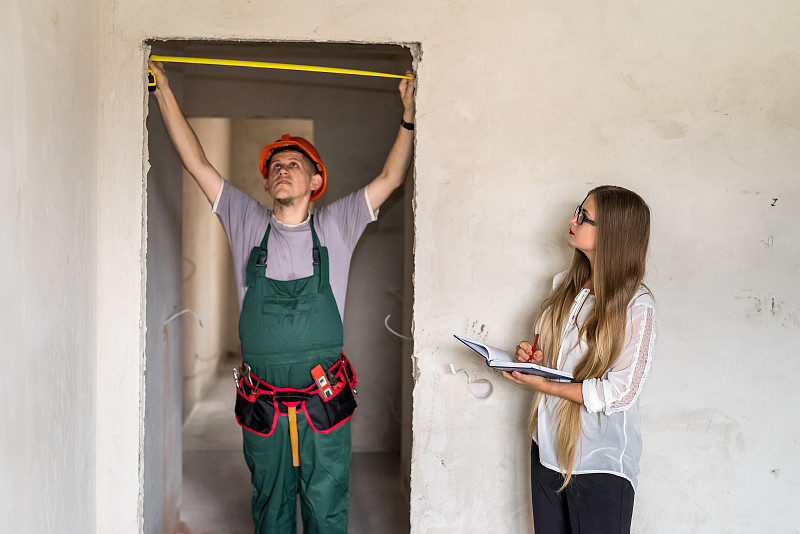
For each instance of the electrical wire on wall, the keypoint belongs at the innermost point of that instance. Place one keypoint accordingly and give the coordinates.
(178, 314)
(166, 335)
(393, 331)
(480, 388)
(396, 293)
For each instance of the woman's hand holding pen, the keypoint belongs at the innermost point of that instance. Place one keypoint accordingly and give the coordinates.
(528, 353)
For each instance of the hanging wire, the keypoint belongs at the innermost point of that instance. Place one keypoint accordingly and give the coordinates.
(471, 384)
(185, 310)
(390, 329)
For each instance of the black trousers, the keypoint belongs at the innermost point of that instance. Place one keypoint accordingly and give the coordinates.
(596, 503)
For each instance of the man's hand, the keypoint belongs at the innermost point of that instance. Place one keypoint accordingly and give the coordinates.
(161, 75)
(406, 89)
(396, 165)
(183, 137)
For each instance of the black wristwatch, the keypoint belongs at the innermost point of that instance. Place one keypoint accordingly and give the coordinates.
(407, 125)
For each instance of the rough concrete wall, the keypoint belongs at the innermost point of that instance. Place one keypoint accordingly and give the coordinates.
(48, 168)
(120, 304)
(205, 261)
(694, 106)
(408, 369)
(166, 329)
(522, 108)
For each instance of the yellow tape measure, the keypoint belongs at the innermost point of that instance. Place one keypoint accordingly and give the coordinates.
(151, 80)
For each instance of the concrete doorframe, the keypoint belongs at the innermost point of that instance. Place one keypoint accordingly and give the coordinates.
(152, 333)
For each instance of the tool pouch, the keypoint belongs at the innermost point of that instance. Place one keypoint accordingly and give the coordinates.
(324, 415)
(259, 405)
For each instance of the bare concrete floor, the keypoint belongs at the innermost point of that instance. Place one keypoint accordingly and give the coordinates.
(216, 481)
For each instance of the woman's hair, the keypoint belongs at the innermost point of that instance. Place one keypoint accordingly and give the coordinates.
(623, 233)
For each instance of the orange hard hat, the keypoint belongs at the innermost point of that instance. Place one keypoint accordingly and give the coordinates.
(301, 145)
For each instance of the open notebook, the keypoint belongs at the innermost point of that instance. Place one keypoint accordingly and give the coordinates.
(499, 359)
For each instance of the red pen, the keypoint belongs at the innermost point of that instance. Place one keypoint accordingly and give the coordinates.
(535, 342)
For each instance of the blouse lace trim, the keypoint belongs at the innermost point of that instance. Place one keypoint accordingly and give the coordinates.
(641, 366)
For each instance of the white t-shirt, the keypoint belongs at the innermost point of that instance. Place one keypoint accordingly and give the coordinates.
(615, 444)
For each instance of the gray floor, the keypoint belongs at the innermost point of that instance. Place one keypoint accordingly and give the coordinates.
(216, 482)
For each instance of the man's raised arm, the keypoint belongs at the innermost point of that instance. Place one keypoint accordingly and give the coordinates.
(183, 137)
(396, 166)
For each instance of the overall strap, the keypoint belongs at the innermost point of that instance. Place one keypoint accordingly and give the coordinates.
(320, 257)
(257, 264)
(315, 253)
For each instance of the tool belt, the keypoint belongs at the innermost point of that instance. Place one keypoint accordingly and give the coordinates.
(258, 403)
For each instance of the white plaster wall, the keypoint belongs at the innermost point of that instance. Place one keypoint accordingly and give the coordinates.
(522, 108)
(48, 265)
(696, 108)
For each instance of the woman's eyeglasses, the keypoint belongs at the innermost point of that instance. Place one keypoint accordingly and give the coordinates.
(580, 216)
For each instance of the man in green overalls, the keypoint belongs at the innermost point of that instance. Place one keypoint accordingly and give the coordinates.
(291, 270)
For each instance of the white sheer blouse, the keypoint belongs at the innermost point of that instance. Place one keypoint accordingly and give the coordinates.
(613, 445)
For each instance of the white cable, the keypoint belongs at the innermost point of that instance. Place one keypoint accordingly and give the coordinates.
(389, 328)
(488, 388)
(185, 310)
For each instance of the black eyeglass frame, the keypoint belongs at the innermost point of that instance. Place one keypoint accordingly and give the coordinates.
(580, 216)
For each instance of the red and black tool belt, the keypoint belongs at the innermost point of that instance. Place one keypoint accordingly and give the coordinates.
(258, 403)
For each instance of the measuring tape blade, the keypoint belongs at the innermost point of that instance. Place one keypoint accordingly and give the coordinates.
(265, 65)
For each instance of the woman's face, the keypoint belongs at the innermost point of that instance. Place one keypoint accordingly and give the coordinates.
(584, 236)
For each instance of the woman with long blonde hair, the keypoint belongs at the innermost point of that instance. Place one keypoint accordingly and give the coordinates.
(599, 324)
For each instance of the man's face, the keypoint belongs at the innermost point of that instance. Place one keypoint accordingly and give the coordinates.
(291, 177)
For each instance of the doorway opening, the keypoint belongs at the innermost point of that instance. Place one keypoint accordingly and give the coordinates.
(195, 478)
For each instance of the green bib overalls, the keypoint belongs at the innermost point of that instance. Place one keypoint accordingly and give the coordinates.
(287, 328)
